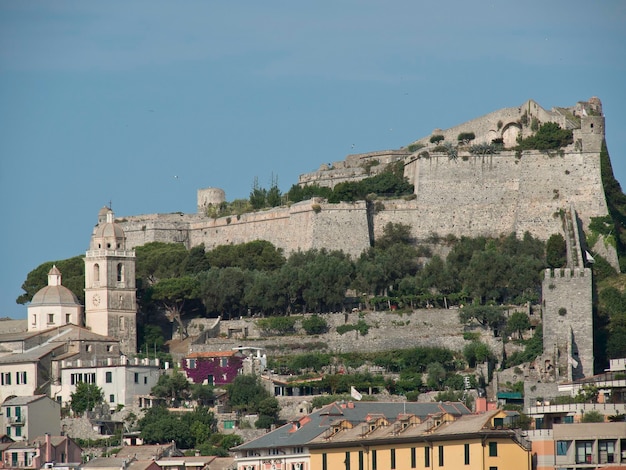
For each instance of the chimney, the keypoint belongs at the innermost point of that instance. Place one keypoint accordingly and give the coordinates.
(48, 448)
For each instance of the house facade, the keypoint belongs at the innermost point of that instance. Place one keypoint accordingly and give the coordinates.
(54, 451)
(122, 380)
(215, 368)
(29, 416)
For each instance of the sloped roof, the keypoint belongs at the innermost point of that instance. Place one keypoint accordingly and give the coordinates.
(290, 435)
(211, 354)
(21, 401)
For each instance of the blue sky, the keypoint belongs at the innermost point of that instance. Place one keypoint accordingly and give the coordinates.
(109, 101)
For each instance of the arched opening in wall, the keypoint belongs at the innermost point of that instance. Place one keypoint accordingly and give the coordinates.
(120, 272)
(96, 272)
(510, 133)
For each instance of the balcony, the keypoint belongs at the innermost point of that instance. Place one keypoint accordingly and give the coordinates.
(16, 420)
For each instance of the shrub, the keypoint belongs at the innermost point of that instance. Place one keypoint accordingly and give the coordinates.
(277, 325)
(593, 416)
(315, 325)
(435, 139)
(466, 137)
(550, 136)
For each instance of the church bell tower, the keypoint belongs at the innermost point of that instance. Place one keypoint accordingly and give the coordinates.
(110, 293)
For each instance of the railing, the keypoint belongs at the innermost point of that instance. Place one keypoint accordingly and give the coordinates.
(518, 436)
(16, 420)
(126, 253)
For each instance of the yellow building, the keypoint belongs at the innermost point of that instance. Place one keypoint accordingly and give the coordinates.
(441, 442)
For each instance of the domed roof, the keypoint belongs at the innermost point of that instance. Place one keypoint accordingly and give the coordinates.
(54, 295)
(107, 234)
(109, 229)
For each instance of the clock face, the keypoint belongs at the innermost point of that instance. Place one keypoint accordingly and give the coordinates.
(95, 300)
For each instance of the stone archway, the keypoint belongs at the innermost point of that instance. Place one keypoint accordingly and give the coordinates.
(510, 133)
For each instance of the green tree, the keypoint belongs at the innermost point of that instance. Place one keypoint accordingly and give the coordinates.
(314, 325)
(489, 316)
(173, 293)
(518, 322)
(246, 393)
(436, 375)
(174, 387)
(73, 277)
(556, 251)
(85, 398)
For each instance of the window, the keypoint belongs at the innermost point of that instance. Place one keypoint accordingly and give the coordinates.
(583, 452)
(20, 378)
(51, 318)
(192, 363)
(8, 433)
(493, 449)
(413, 457)
(18, 431)
(224, 362)
(136, 377)
(493, 468)
(347, 461)
(298, 450)
(361, 461)
(34, 319)
(88, 348)
(467, 454)
(393, 458)
(374, 463)
(111, 398)
(324, 462)
(607, 451)
(108, 377)
(68, 318)
(96, 272)
(8, 411)
(568, 419)
(426, 457)
(109, 348)
(145, 380)
(561, 447)
(120, 272)
(441, 456)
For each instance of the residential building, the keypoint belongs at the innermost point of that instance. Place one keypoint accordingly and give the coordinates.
(53, 451)
(216, 368)
(122, 380)
(293, 445)
(25, 417)
(441, 441)
(585, 444)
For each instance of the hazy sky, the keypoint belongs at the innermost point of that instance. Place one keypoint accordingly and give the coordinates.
(109, 101)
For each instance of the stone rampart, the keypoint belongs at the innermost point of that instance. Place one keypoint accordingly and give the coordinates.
(469, 196)
(423, 327)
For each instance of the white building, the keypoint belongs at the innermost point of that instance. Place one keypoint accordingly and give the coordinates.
(54, 305)
(122, 380)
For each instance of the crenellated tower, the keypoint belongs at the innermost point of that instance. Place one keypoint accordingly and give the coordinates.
(110, 293)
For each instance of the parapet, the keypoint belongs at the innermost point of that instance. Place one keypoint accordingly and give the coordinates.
(566, 273)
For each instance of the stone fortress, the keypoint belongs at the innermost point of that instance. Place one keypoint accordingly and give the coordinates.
(540, 192)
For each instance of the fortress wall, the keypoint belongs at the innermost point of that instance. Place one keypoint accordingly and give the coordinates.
(341, 227)
(496, 195)
(568, 332)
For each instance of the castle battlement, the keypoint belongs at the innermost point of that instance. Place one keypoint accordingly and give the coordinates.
(567, 273)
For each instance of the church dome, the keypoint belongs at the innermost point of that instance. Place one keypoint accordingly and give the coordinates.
(54, 293)
(107, 235)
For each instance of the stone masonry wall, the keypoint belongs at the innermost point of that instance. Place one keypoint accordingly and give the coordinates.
(424, 327)
(567, 321)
